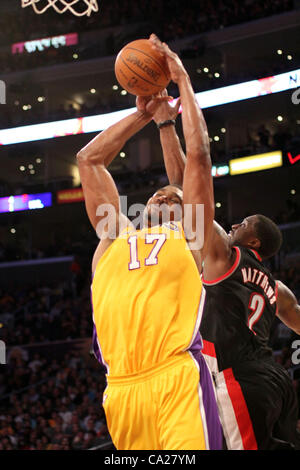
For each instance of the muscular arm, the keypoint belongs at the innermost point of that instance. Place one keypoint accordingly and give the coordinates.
(197, 178)
(93, 160)
(218, 255)
(100, 192)
(97, 183)
(288, 308)
(173, 154)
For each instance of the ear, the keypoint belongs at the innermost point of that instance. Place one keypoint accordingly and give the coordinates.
(254, 243)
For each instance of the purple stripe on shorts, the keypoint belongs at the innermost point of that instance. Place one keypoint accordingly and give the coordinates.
(96, 349)
(214, 429)
(95, 345)
(197, 345)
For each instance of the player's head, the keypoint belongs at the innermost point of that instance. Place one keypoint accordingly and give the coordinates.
(165, 205)
(259, 233)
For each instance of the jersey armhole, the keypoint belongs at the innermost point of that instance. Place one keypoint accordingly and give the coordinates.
(229, 272)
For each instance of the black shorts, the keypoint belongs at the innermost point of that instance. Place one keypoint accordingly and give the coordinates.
(258, 407)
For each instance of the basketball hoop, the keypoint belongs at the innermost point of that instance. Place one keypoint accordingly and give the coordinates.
(61, 6)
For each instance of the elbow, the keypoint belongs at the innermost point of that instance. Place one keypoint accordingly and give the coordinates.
(86, 157)
(81, 156)
(91, 155)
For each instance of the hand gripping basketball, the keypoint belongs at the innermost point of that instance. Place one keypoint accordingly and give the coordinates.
(167, 111)
(175, 66)
(150, 104)
(140, 69)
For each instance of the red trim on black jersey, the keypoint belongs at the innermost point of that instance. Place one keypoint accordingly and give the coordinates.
(240, 410)
(209, 348)
(256, 254)
(231, 270)
(276, 295)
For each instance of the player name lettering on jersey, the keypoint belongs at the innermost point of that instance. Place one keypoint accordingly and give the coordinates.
(259, 278)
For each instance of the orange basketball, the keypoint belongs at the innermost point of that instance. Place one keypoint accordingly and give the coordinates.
(140, 69)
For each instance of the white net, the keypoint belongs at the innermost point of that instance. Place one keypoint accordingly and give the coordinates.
(77, 7)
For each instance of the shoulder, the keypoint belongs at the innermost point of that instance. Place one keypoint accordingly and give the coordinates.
(215, 271)
(219, 247)
(284, 294)
(124, 229)
(220, 256)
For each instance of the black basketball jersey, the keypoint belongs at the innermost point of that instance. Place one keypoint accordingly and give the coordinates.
(239, 310)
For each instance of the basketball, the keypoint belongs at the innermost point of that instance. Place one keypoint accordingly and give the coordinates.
(141, 70)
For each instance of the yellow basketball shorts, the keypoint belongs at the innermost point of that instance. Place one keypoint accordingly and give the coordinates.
(169, 407)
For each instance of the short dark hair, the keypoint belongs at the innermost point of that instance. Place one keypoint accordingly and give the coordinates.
(269, 235)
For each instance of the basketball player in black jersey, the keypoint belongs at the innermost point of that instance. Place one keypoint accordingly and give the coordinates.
(257, 403)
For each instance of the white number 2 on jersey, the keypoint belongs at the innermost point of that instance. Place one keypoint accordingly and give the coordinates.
(256, 305)
(150, 238)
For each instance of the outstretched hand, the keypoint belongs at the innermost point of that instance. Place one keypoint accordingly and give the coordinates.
(176, 67)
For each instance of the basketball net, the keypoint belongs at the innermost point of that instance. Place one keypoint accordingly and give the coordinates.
(61, 6)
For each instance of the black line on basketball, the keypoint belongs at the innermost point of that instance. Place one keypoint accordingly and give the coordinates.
(142, 78)
(154, 60)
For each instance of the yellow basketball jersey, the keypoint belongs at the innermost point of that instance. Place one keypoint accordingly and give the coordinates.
(146, 294)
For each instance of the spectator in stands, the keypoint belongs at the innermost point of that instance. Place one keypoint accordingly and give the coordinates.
(30, 426)
(171, 20)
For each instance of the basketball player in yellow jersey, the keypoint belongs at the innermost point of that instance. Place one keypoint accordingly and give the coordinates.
(146, 291)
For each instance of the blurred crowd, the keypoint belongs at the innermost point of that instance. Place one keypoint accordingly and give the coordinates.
(173, 18)
(291, 214)
(259, 140)
(50, 388)
(51, 404)
(13, 114)
(170, 19)
(46, 313)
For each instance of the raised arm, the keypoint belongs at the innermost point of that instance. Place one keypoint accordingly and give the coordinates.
(98, 186)
(100, 192)
(173, 154)
(197, 181)
(288, 308)
(219, 255)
